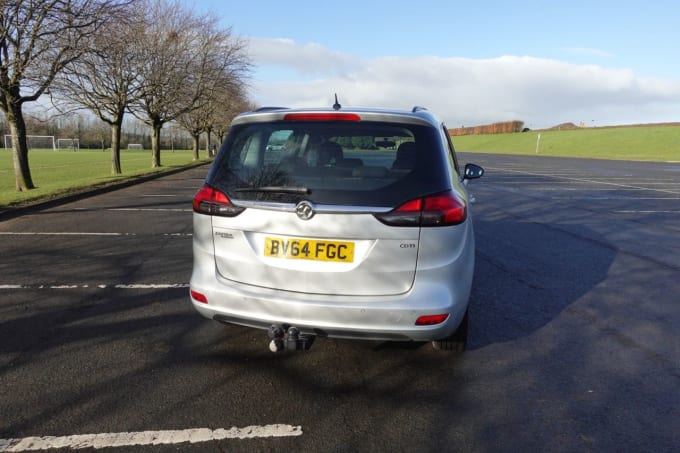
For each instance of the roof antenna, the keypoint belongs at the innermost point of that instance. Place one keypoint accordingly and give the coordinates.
(337, 105)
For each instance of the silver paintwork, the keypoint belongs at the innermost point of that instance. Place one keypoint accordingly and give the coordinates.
(399, 273)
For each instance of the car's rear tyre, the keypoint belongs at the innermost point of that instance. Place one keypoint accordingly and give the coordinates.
(457, 342)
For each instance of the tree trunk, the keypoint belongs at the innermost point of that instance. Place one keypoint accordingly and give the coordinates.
(115, 148)
(22, 171)
(207, 142)
(195, 138)
(156, 144)
(211, 148)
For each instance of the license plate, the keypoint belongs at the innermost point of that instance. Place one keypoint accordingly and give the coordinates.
(309, 249)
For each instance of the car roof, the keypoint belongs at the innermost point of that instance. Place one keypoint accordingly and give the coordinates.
(417, 115)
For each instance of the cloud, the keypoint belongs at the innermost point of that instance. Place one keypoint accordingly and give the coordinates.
(464, 91)
(307, 59)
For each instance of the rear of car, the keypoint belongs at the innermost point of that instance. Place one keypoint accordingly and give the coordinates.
(347, 224)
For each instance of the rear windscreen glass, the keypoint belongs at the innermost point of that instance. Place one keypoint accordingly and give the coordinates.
(347, 163)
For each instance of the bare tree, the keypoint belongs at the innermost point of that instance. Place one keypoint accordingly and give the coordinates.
(215, 110)
(38, 39)
(105, 81)
(100, 133)
(234, 103)
(223, 94)
(170, 86)
(185, 58)
(194, 122)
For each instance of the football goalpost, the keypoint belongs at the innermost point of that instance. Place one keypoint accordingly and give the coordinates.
(135, 146)
(35, 142)
(68, 143)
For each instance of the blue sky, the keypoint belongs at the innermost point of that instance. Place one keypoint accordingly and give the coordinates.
(596, 62)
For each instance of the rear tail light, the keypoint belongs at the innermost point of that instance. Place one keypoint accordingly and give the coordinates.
(443, 209)
(431, 320)
(211, 201)
(198, 297)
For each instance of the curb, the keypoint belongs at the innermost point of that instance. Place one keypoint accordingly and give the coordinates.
(12, 212)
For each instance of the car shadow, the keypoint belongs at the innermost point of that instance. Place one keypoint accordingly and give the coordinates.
(528, 272)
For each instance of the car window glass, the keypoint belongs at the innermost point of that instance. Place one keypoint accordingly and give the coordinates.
(453, 158)
(359, 163)
(276, 144)
(245, 151)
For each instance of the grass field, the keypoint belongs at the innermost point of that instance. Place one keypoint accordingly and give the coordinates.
(63, 172)
(644, 143)
(57, 173)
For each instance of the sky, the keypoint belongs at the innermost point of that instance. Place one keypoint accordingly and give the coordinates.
(594, 63)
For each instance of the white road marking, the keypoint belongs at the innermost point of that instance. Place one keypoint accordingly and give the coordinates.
(579, 189)
(163, 195)
(136, 209)
(150, 209)
(44, 233)
(585, 181)
(585, 197)
(594, 181)
(648, 212)
(80, 233)
(118, 440)
(149, 286)
(117, 286)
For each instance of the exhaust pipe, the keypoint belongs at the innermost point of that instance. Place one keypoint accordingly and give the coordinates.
(288, 337)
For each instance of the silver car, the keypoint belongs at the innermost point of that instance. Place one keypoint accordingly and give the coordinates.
(336, 223)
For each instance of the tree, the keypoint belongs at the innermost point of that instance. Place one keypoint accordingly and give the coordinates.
(236, 103)
(224, 96)
(183, 58)
(170, 86)
(214, 113)
(194, 122)
(38, 39)
(105, 81)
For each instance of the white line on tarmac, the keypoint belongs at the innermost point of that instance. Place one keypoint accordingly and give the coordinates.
(136, 209)
(113, 440)
(150, 209)
(648, 212)
(45, 233)
(579, 189)
(595, 181)
(585, 181)
(585, 197)
(83, 233)
(118, 286)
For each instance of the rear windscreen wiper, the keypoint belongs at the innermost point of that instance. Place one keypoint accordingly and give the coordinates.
(276, 189)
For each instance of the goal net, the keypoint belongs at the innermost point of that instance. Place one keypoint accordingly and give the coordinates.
(135, 146)
(35, 142)
(68, 143)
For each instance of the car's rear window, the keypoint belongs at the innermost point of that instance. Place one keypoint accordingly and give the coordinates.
(342, 163)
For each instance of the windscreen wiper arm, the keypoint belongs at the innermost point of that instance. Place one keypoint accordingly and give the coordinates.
(276, 189)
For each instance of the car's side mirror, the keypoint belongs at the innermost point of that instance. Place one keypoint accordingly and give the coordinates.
(473, 171)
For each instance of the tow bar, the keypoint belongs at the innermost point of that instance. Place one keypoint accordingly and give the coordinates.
(288, 337)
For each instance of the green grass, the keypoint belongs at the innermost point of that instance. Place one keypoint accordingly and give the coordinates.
(59, 173)
(64, 172)
(642, 143)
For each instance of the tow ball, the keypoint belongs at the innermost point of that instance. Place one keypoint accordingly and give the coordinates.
(288, 337)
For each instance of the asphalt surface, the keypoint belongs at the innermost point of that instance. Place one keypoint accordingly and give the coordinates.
(574, 341)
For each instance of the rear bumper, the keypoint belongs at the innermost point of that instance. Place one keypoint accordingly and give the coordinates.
(332, 332)
(390, 318)
(441, 285)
